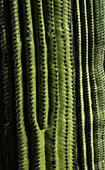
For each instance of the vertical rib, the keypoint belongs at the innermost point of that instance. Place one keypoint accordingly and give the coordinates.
(23, 162)
(51, 131)
(93, 83)
(86, 86)
(41, 63)
(34, 134)
(82, 156)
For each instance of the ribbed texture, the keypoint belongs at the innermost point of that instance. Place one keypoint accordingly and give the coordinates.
(52, 85)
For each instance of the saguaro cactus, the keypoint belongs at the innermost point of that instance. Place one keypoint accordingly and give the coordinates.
(52, 84)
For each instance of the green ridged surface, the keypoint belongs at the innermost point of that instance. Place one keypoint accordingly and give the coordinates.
(35, 135)
(86, 86)
(52, 84)
(4, 92)
(51, 132)
(41, 60)
(80, 105)
(91, 39)
(99, 79)
(23, 162)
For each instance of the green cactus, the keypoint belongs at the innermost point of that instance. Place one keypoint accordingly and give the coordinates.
(52, 84)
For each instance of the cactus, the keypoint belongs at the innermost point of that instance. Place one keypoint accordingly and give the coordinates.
(52, 84)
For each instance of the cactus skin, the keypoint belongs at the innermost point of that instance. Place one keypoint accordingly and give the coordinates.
(93, 83)
(51, 131)
(34, 133)
(23, 162)
(66, 101)
(4, 86)
(41, 66)
(86, 87)
(9, 122)
(82, 160)
(99, 79)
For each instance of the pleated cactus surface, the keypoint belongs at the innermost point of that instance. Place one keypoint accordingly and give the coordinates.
(52, 85)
